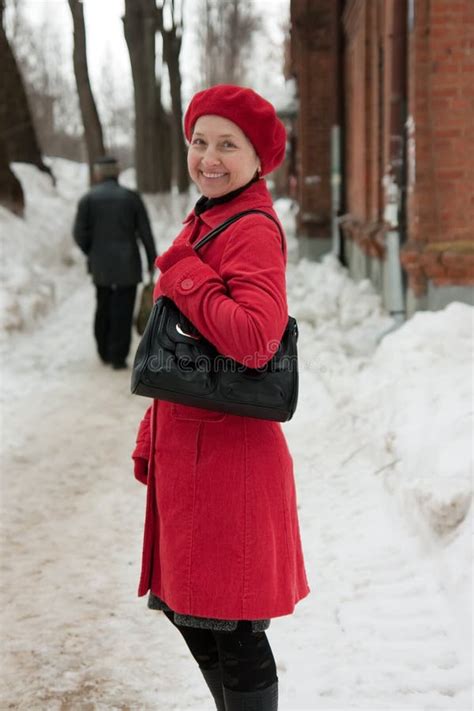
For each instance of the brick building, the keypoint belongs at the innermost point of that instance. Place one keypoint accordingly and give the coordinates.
(397, 77)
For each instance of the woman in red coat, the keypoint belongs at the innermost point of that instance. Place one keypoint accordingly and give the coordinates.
(222, 552)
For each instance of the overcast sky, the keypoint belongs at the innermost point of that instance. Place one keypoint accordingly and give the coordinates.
(105, 37)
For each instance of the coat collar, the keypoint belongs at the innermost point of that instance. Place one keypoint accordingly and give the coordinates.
(256, 196)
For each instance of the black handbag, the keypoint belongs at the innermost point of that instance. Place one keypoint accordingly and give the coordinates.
(174, 362)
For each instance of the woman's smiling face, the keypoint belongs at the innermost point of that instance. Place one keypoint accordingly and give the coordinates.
(220, 156)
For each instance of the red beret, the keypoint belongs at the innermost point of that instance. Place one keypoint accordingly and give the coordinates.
(253, 114)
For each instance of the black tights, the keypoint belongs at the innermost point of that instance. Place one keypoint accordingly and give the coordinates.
(245, 657)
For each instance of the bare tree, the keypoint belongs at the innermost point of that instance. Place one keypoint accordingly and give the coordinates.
(18, 138)
(16, 125)
(49, 83)
(11, 192)
(90, 116)
(172, 40)
(226, 33)
(163, 136)
(152, 144)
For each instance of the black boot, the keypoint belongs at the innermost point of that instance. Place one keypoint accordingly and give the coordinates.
(213, 679)
(263, 700)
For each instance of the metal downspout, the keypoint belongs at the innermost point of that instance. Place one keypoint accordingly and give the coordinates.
(394, 277)
(336, 180)
(394, 180)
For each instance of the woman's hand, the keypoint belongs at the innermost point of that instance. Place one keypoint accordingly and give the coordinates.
(140, 469)
(174, 254)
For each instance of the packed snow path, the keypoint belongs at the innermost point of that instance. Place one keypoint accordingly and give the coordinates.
(376, 633)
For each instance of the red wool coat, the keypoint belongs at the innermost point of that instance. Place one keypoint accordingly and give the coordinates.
(221, 530)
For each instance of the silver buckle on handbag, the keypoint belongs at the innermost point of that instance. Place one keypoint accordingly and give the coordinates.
(188, 335)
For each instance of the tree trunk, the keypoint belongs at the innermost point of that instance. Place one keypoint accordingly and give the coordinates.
(17, 132)
(171, 51)
(164, 137)
(141, 23)
(11, 192)
(90, 117)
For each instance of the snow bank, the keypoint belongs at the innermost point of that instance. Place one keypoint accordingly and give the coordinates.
(345, 315)
(413, 389)
(417, 394)
(37, 249)
(340, 323)
(415, 397)
(408, 396)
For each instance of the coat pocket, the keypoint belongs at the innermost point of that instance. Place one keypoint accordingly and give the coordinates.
(196, 414)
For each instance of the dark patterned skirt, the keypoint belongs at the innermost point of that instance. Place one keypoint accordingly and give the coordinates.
(205, 623)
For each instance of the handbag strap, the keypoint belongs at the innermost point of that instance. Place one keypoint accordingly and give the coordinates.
(220, 228)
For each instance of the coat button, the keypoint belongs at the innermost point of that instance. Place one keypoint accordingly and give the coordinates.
(187, 284)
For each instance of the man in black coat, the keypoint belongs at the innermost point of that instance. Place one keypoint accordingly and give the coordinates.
(109, 222)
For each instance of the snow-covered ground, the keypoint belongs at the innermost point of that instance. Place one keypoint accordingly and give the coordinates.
(381, 443)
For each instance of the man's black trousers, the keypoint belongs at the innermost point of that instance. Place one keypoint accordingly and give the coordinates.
(113, 322)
